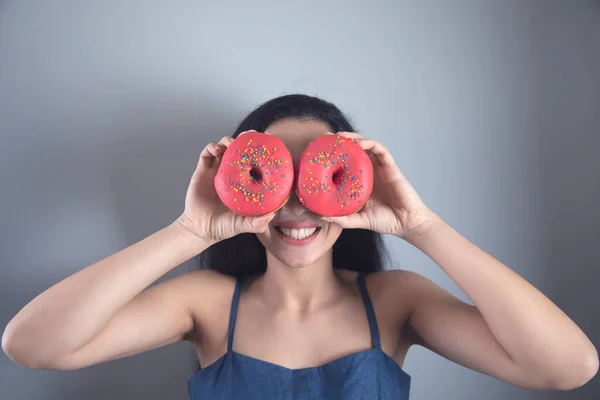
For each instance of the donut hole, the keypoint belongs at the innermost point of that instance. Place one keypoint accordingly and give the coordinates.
(255, 174)
(336, 177)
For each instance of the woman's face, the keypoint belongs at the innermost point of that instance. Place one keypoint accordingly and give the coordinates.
(296, 236)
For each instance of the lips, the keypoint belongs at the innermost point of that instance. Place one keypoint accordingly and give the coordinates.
(297, 232)
(297, 224)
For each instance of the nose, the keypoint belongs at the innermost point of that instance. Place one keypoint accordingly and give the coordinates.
(294, 206)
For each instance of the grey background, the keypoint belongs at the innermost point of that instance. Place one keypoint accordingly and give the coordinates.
(492, 110)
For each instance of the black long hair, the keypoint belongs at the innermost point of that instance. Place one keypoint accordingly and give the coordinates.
(244, 255)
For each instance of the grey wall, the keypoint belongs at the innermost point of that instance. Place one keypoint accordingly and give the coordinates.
(492, 110)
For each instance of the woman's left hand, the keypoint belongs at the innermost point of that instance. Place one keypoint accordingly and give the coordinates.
(394, 206)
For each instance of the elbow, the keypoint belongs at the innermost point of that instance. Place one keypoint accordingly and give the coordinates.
(587, 370)
(10, 347)
(21, 352)
(577, 375)
(16, 351)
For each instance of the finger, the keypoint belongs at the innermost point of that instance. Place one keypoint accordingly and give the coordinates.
(352, 221)
(224, 144)
(382, 155)
(351, 135)
(253, 224)
(389, 171)
(215, 150)
(261, 223)
(207, 157)
(225, 141)
(376, 149)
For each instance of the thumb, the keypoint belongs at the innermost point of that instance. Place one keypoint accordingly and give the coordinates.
(352, 221)
(255, 224)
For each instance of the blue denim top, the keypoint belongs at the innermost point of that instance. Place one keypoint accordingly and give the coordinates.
(366, 375)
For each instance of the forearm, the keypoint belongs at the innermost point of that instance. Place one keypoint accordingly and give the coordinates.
(72, 312)
(532, 330)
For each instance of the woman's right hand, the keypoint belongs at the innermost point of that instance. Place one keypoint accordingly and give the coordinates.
(205, 215)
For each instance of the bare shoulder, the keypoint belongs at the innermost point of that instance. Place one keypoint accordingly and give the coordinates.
(395, 296)
(204, 293)
(398, 294)
(398, 284)
(208, 278)
(204, 286)
(384, 285)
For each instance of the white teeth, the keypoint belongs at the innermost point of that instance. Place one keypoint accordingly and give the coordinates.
(298, 234)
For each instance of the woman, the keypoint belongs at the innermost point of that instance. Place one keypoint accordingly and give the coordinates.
(274, 318)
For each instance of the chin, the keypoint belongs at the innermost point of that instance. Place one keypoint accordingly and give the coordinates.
(294, 262)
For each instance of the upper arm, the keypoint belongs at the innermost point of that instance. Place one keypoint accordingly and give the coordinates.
(160, 315)
(457, 331)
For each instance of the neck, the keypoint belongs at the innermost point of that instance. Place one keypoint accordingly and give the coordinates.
(300, 289)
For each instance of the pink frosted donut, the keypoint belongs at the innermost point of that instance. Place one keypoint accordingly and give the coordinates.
(256, 174)
(335, 176)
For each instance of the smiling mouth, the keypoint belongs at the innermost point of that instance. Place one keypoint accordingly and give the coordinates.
(297, 233)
